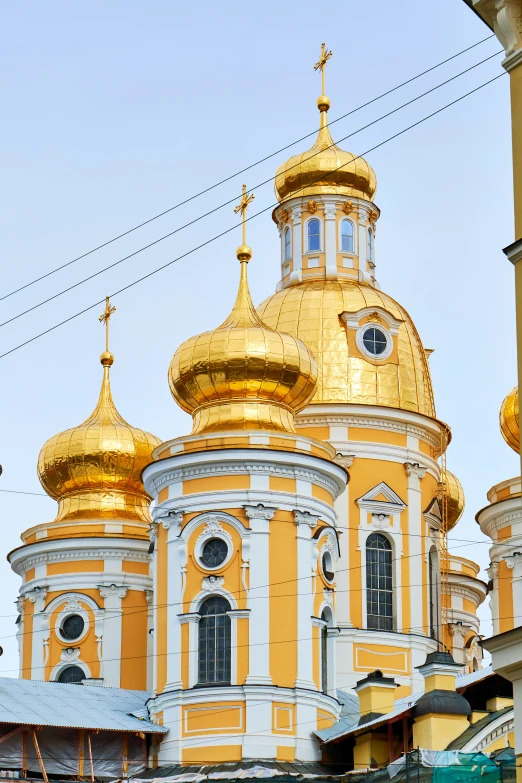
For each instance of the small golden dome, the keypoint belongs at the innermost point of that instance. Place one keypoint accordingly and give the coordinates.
(325, 168)
(311, 312)
(94, 470)
(509, 426)
(242, 375)
(454, 498)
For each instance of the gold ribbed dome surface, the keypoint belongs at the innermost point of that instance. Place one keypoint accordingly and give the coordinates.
(244, 374)
(509, 426)
(455, 500)
(325, 169)
(94, 470)
(311, 312)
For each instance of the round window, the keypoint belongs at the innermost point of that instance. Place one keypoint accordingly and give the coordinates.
(375, 341)
(72, 627)
(327, 567)
(72, 674)
(214, 553)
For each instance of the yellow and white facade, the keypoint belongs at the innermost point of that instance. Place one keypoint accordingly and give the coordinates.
(295, 542)
(86, 594)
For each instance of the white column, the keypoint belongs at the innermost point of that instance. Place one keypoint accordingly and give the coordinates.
(418, 573)
(492, 572)
(192, 618)
(363, 239)
(330, 239)
(342, 578)
(112, 596)
(458, 633)
(40, 626)
(297, 245)
(235, 615)
(514, 562)
(259, 594)
(153, 535)
(305, 605)
(176, 570)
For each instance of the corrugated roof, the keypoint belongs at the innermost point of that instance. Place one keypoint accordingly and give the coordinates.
(475, 728)
(345, 726)
(463, 680)
(32, 702)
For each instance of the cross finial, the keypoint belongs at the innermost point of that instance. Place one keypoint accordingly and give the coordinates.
(325, 56)
(242, 207)
(105, 317)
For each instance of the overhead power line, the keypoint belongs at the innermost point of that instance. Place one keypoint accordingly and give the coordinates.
(234, 227)
(235, 197)
(242, 171)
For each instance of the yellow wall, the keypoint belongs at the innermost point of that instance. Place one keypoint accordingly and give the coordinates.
(134, 641)
(283, 599)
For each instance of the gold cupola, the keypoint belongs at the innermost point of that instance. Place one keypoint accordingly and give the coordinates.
(94, 470)
(509, 425)
(243, 375)
(454, 501)
(325, 168)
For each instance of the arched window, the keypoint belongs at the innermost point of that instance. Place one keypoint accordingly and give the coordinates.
(347, 236)
(214, 650)
(324, 653)
(370, 245)
(72, 674)
(432, 586)
(379, 583)
(314, 235)
(288, 244)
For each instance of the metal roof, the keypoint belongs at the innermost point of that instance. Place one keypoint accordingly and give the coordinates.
(37, 703)
(463, 680)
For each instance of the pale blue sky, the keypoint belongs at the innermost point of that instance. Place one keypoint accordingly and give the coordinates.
(112, 112)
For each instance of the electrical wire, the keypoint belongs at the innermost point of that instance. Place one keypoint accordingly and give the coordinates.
(242, 171)
(234, 198)
(232, 228)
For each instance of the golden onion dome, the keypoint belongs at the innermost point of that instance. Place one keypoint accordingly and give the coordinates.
(311, 312)
(94, 470)
(455, 500)
(509, 426)
(244, 374)
(325, 168)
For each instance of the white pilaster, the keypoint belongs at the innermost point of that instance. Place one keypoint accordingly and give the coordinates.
(304, 522)
(330, 239)
(259, 595)
(177, 557)
(297, 240)
(40, 626)
(514, 562)
(415, 473)
(112, 632)
(192, 618)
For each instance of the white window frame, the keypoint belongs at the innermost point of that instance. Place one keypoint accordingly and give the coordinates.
(287, 230)
(359, 340)
(353, 251)
(308, 252)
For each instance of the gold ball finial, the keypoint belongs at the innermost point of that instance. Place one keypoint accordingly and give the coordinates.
(107, 358)
(509, 420)
(323, 103)
(244, 253)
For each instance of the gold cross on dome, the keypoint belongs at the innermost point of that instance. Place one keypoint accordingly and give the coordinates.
(105, 317)
(242, 207)
(325, 56)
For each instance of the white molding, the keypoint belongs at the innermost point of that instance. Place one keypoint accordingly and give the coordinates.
(359, 341)
(61, 550)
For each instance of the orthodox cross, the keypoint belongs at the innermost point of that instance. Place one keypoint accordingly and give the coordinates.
(242, 207)
(105, 317)
(325, 56)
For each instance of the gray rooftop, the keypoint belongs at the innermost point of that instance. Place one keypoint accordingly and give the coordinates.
(37, 703)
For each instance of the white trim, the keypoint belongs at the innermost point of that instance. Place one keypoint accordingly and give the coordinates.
(286, 229)
(59, 668)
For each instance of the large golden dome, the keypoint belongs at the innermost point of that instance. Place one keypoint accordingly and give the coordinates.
(509, 425)
(94, 470)
(311, 311)
(455, 500)
(325, 168)
(244, 374)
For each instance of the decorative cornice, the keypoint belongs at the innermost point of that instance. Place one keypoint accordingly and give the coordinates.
(368, 422)
(31, 561)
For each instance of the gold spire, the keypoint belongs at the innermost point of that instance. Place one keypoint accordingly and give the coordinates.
(325, 56)
(94, 470)
(244, 252)
(325, 168)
